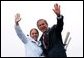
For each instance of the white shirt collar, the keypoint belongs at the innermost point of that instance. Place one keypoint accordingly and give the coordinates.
(36, 42)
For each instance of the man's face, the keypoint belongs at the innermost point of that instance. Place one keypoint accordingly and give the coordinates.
(42, 26)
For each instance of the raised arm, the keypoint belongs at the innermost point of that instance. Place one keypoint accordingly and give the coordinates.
(18, 29)
(60, 22)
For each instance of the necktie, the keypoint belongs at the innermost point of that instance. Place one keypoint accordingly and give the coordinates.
(45, 41)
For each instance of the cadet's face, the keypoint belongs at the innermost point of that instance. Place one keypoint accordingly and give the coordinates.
(34, 34)
(42, 26)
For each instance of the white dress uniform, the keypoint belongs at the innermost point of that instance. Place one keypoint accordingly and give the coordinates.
(32, 47)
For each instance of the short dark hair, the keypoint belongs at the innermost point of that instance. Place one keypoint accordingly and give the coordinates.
(42, 20)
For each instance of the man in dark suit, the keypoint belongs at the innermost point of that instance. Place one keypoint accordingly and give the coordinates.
(51, 38)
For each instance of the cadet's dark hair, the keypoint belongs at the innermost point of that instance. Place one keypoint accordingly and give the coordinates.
(34, 29)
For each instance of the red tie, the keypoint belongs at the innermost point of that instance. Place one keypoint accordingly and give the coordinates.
(45, 41)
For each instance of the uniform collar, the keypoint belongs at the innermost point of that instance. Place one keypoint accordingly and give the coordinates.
(36, 42)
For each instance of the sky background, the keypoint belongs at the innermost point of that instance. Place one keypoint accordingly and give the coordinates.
(31, 11)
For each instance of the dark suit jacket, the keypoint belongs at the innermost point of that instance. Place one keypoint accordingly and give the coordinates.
(54, 39)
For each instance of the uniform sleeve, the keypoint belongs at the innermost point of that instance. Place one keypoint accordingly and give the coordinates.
(20, 34)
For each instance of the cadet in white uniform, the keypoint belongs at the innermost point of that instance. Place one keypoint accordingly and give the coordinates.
(32, 46)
